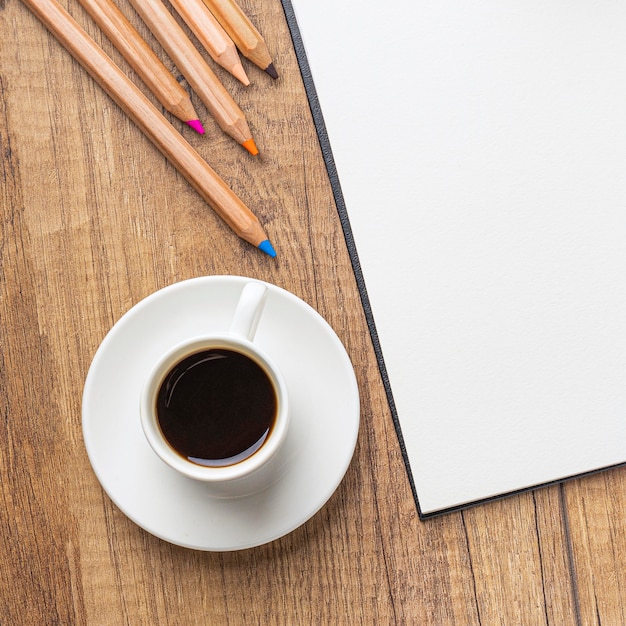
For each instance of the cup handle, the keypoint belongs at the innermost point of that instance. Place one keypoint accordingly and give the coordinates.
(249, 309)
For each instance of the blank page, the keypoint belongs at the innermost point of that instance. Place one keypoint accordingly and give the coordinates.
(481, 152)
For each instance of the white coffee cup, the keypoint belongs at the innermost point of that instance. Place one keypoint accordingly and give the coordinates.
(231, 477)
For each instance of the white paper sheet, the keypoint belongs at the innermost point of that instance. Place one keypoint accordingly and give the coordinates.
(481, 152)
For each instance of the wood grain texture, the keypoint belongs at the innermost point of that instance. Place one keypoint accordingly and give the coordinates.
(93, 219)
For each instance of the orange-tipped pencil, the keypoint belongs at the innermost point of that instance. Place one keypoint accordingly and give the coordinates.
(212, 36)
(241, 30)
(142, 59)
(200, 76)
(163, 135)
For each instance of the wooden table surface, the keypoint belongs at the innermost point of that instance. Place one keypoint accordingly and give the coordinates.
(93, 220)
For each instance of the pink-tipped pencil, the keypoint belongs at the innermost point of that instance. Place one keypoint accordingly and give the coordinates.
(142, 59)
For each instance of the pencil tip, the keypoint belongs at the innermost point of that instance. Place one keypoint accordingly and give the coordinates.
(196, 125)
(250, 146)
(271, 70)
(240, 74)
(266, 246)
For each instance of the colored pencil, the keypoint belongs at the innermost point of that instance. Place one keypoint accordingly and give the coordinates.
(212, 36)
(142, 59)
(147, 117)
(200, 76)
(241, 30)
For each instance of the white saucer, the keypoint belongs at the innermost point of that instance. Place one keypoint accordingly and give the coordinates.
(323, 395)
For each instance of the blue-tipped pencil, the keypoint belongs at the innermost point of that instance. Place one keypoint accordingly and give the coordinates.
(163, 135)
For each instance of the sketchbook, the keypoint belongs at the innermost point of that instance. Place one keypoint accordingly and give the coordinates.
(477, 152)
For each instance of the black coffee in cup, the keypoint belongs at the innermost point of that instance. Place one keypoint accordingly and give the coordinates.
(216, 407)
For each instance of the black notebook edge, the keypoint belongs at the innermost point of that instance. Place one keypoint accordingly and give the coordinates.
(322, 135)
(324, 141)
